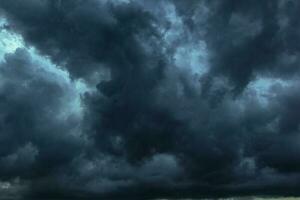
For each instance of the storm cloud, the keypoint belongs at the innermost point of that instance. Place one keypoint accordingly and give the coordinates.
(130, 99)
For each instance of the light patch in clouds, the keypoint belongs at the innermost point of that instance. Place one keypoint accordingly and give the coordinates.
(12, 189)
(192, 57)
(9, 41)
(176, 28)
(263, 87)
(189, 55)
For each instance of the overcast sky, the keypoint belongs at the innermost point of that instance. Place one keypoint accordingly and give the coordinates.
(140, 99)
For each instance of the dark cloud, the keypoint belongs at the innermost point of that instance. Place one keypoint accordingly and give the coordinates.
(247, 38)
(35, 120)
(154, 123)
(83, 35)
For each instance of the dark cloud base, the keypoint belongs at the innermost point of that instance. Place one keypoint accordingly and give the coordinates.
(149, 127)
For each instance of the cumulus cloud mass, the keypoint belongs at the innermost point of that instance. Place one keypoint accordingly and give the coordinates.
(138, 99)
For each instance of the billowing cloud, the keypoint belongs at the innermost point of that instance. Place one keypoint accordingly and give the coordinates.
(119, 99)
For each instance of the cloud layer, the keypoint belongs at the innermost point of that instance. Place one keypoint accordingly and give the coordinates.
(119, 99)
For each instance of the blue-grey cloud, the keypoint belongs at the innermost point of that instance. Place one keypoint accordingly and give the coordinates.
(196, 99)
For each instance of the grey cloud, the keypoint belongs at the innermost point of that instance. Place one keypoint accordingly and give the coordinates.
(31, 123)
(156, 125)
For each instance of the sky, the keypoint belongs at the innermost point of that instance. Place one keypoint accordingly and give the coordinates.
(138, 99)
